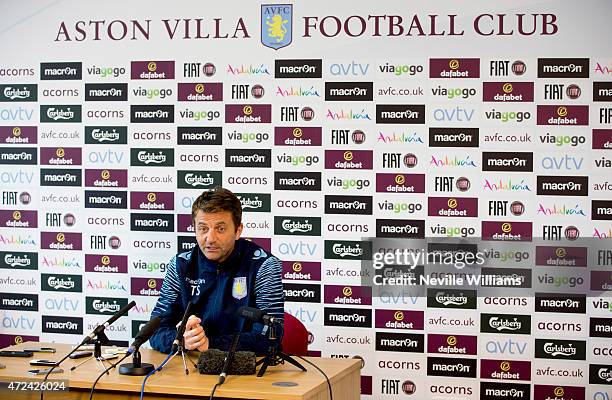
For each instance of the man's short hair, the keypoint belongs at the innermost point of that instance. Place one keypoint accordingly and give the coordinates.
(217, 200)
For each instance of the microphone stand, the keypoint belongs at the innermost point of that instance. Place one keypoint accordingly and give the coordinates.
(274, 356)
(98, 333)
(101, 339)
(136, 368)
(180, 348)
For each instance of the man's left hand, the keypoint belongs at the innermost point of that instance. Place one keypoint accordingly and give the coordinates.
(195, 337)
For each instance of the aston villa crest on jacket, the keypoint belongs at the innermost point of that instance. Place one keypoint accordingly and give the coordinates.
(239, 288)
(276, 25)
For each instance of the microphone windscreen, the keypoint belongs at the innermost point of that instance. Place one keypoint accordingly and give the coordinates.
(211, 362)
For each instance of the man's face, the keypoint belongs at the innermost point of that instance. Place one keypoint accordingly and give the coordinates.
(216, 234)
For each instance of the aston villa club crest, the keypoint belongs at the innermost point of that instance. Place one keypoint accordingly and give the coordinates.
(239, 288)
(276, 25)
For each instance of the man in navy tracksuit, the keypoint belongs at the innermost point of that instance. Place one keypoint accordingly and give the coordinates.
(221, 274)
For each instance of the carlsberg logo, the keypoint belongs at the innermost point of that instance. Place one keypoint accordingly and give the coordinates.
(447, 299)
(149, 158)
(252, 203)
(198, 180)
(60, 283)
(296, 226)
(105, 136)
(347, 251)
(105, 306)
(14, 93)
(559, 349)
(55, 114)
(16, 261)
(504, 324)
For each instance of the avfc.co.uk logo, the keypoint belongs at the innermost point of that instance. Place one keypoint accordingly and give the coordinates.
(276, 25)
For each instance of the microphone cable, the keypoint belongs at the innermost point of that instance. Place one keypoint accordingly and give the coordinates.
(331, 396)
(42, 392)
(154, 371)
(213, 391)
(105, 371)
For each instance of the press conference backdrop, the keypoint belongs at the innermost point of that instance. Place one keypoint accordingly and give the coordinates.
(333, 122)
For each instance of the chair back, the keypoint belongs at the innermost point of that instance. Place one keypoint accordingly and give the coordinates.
(295, 336)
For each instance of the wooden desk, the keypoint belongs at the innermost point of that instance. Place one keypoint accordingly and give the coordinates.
(171, 382)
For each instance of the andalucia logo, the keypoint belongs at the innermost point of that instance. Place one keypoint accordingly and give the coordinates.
(276, 25)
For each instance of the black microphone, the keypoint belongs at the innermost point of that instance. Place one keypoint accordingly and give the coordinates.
(181, 329)
(212, 362)
(144, 334)
(100, 328)
(138, 368)
(256, 315)
(229, 358)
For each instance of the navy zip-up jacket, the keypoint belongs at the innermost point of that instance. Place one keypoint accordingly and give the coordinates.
(249, 277)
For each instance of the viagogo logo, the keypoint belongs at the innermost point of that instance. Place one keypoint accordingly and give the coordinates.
(151, 93)
(400, 69)
(507, 116)
(104, 72)
(562, 140)
(296, 160)
(453, 93)
(200, 115)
